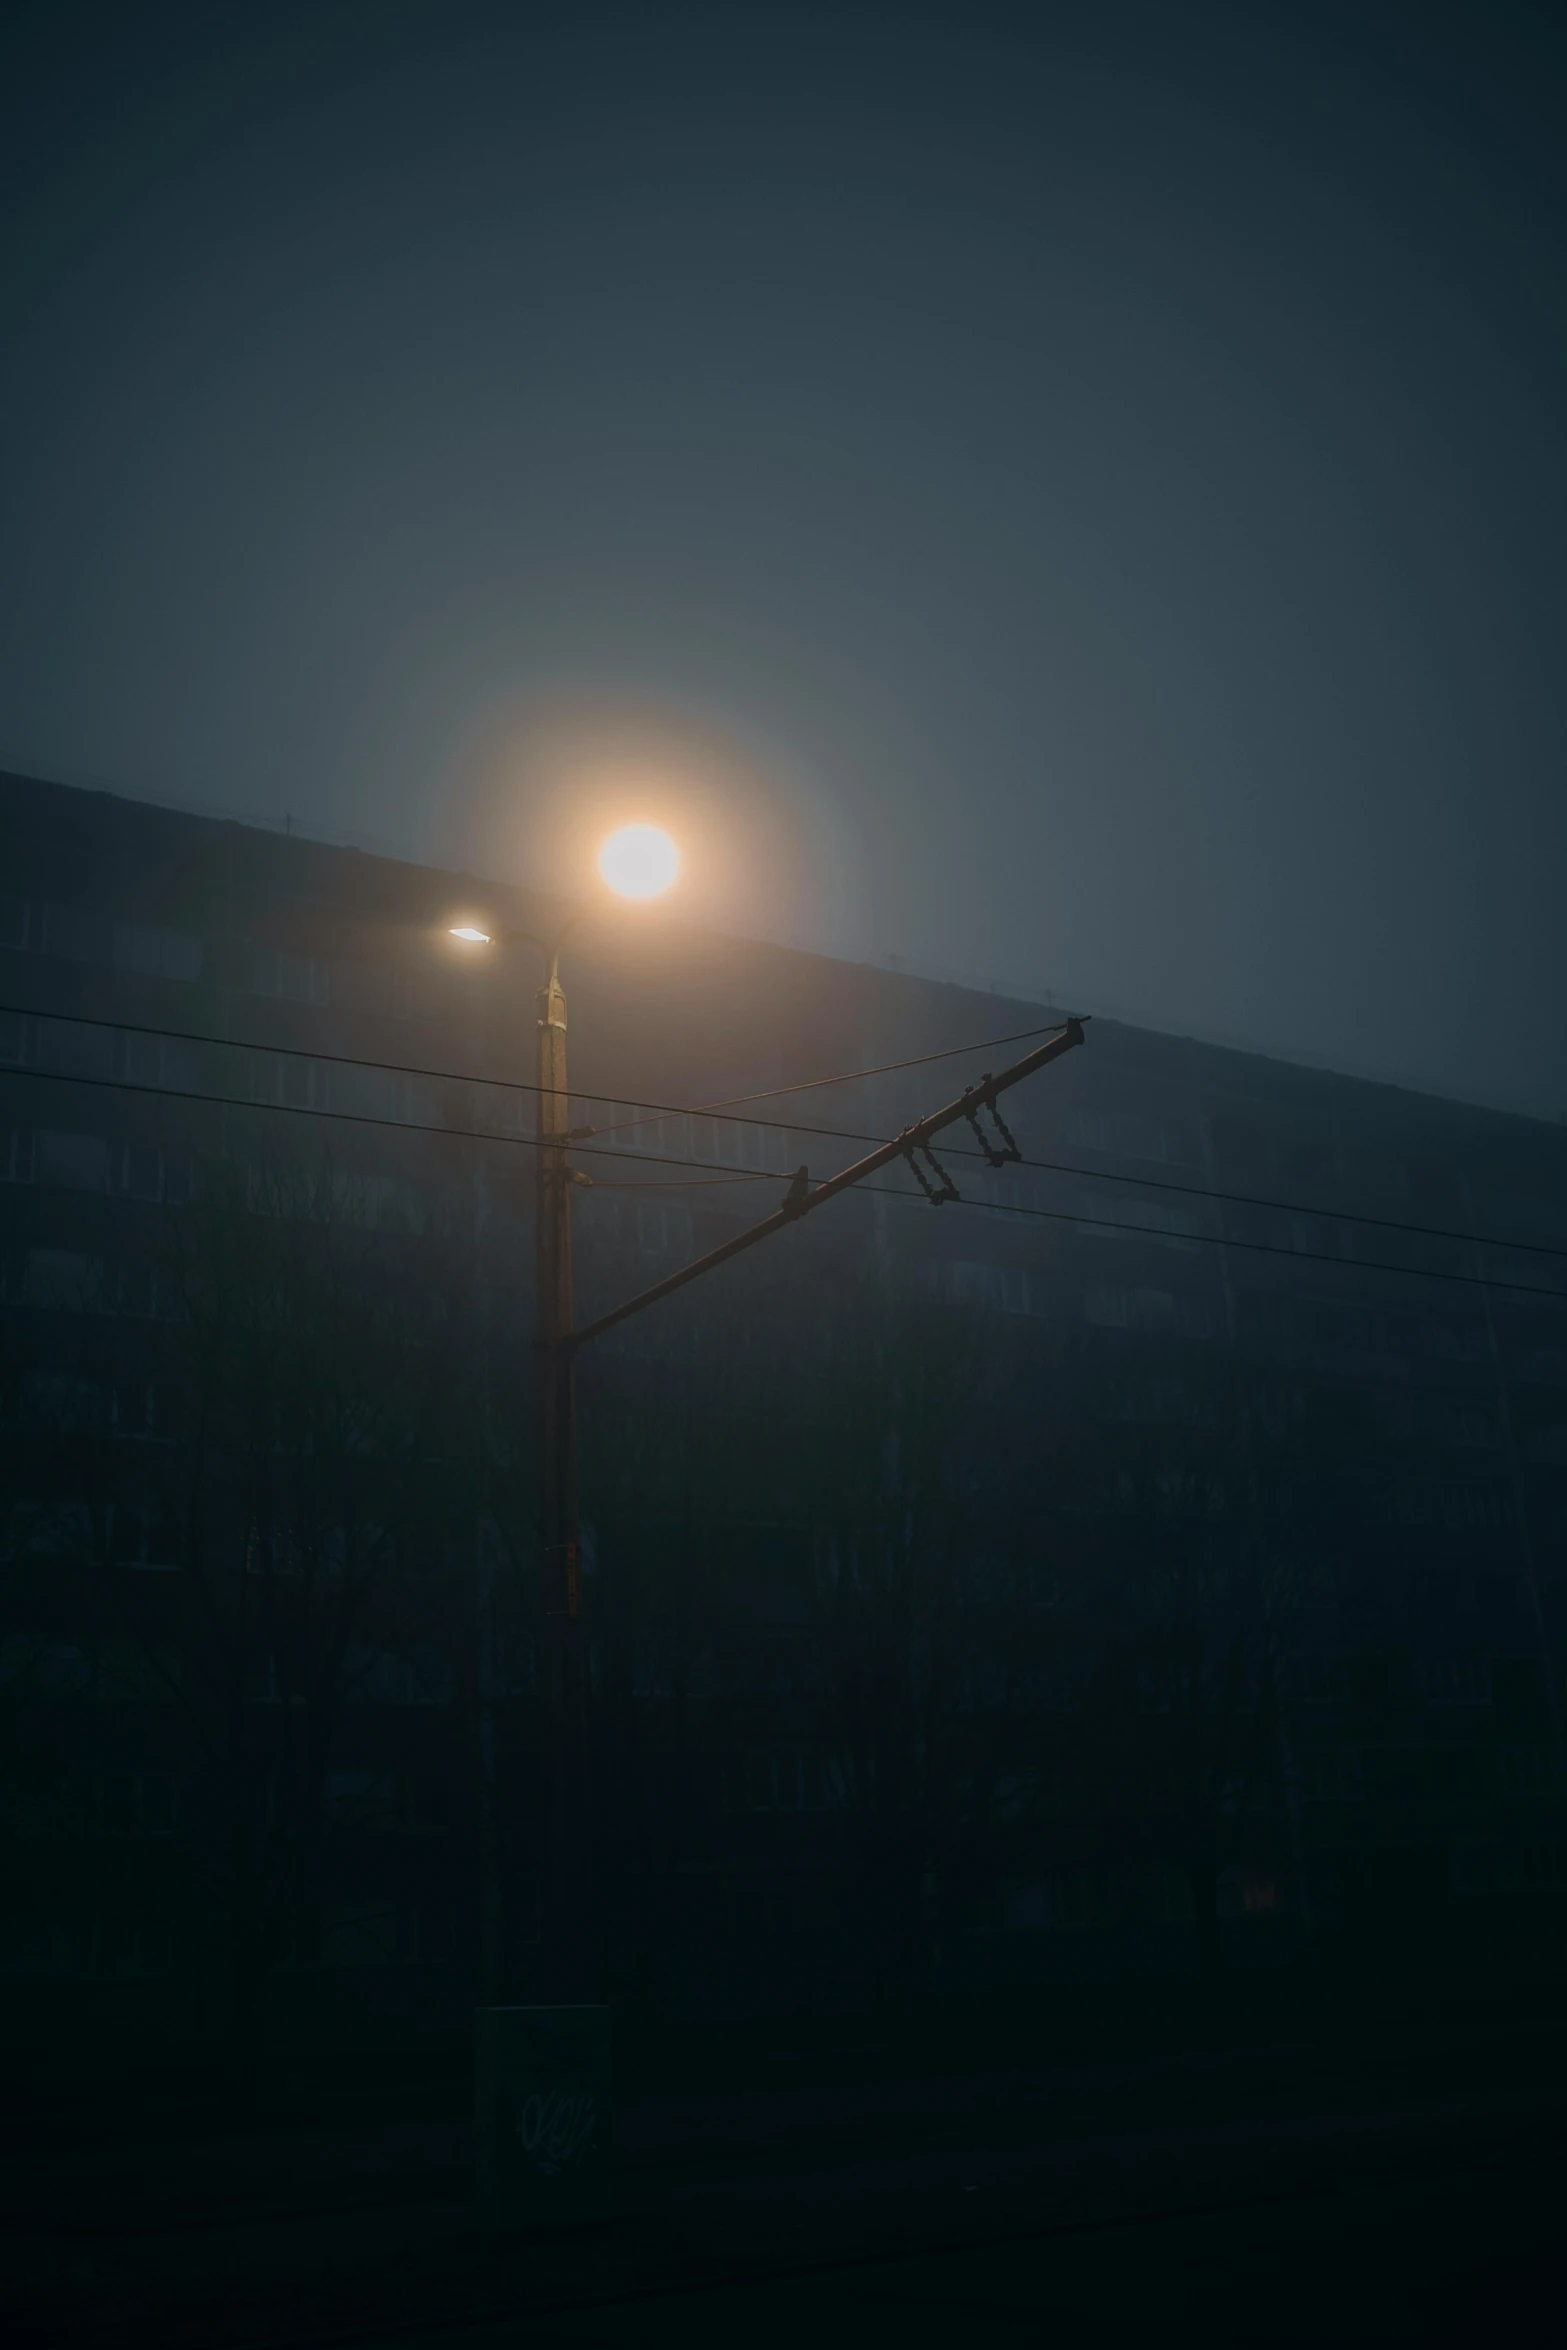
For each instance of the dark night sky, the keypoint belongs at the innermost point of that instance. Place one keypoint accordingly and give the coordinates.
(1073, 496)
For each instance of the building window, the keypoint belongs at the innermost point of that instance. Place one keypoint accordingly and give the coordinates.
(133, 1408)
(160, 1062)
(77, 934)
(726, 1142)
(424, 1804)
(1088, 1129)
(1025, 1909)
(994, 1289)
(519, 1670)
(623, 1127)
(1130, 1309)
(133, 1290)
(652, 1660)
(1165, 1896)
(1459, 1505)
(777, 1780)
(75, 1048)
(71, 1162)
(1537, 1868)
(1121, 1219)
(13, 920)
(1454, 1680)
(143, 1538)
(131, 1673)
(80, 934)
(141, 1173)
(156, 952)
(1167, 1401)
(60, 1281)
(365, 1093)
(773, 1782)
(33, 1665)
(421, 1675)
(1330, 1774)
(1320, 1680)
(1060, 1904)
(1126, 1135)
(143, 1803)
(43, 1947)
(361, 1934)
(294, 979)
(1470, 1421)
(365, 1801)
(1077, 1900)
(1527, 1773)
(1510, 1868)
(61, 1402)
(663, 1232)
(263, 1682)
(130, 1949)
(289, 1079)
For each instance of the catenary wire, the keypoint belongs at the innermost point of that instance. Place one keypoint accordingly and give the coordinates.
(775, 1093)
(301, 1052)
(679, 1182)
(1240, 1199)
(784, 1175)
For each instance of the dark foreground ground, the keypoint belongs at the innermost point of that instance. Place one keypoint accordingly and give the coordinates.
(1466, 2252)
(1394, 2191)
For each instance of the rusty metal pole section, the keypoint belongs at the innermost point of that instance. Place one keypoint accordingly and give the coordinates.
(557, 1464)
(569, 1951)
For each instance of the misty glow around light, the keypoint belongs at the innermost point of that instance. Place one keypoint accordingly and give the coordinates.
(477, 938)
(639, 861)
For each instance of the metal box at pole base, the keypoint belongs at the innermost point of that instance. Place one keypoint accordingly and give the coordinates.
(543, 2152)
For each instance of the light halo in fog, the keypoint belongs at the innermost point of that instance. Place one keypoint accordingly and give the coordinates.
(639, 861)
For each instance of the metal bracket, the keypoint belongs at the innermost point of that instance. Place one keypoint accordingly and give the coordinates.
(943, 1188)
(1008, 1149)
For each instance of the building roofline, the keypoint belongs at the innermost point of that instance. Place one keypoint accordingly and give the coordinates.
(892, 968)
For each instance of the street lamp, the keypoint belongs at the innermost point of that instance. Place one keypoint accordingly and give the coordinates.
(641, 862)
(638, 861)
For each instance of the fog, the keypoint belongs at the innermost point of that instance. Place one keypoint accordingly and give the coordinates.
(1066, 498)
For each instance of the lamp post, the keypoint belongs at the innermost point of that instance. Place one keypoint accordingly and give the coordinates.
(568, 1934)
(640, 862)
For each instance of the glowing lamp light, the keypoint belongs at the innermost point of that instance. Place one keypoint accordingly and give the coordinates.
(475, 938)
(639, 861)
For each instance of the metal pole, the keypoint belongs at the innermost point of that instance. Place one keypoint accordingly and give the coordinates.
(558, 1530)
(491, 1966)
(552, 2055)
(567, 1936)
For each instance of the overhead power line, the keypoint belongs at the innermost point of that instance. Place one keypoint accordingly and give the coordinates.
(301, 1052)
(405, 1126)
(1171, 1184)
(775, 1093)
